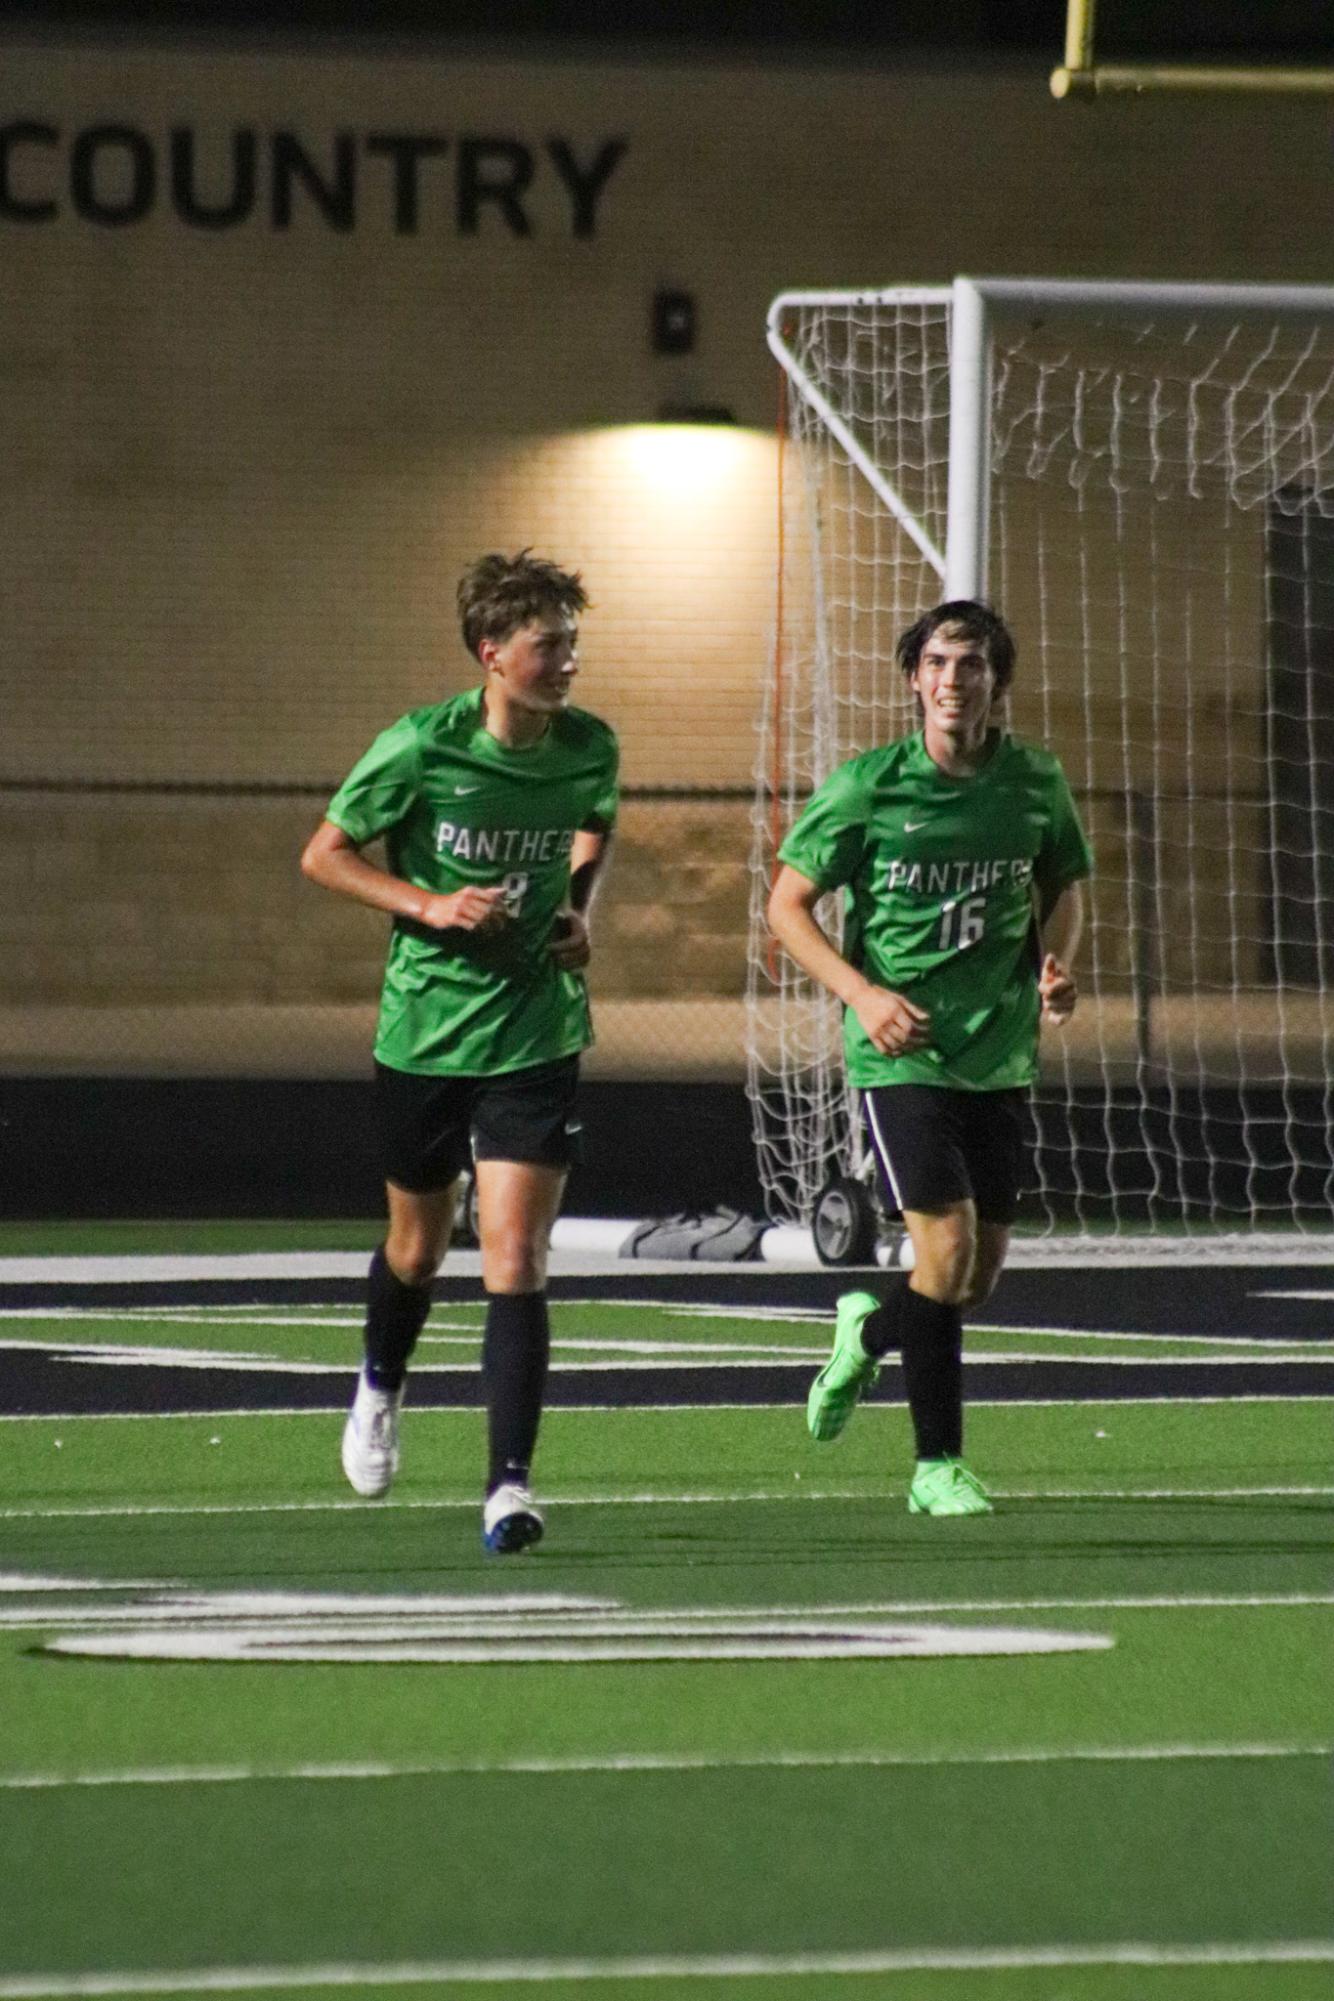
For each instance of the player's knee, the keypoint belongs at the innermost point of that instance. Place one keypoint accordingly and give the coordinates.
(945, 1279)
(414, 1263)
(515, 1277)
(512, 1262)
(981, 1285)
(950, 1263)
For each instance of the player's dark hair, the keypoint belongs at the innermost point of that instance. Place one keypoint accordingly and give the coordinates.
(970, 619)
(497, 594)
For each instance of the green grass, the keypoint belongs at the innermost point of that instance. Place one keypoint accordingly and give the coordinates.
(962, 1819)
(125, 1238)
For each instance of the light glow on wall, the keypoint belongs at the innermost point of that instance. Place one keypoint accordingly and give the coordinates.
(680, 464)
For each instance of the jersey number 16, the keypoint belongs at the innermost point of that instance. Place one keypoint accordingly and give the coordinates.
(962, 924)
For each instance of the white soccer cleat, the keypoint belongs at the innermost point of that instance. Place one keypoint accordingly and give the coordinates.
(370, 1439)
(510, 1522)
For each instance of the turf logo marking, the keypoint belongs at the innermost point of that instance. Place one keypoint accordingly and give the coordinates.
(282, 1627)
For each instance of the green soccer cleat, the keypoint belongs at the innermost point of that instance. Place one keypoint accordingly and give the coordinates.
(848, 1373)
(947, 1487)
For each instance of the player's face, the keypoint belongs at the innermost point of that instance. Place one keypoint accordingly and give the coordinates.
(955, 681)
(535, 667)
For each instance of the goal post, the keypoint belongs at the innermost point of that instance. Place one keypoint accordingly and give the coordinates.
(1082, 77)
(1141, 477)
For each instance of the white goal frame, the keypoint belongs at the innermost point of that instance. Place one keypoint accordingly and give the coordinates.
(962, 564)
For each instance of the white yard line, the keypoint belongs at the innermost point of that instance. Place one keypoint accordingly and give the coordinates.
(650, 1761)
(612, 1354)
(1090, 1406)
(181, 1601)
(1202, 1347)
(97, 1510)
(630, 1354)
(728, 1966)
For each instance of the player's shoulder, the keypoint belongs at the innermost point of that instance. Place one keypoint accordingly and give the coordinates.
(879, 766)
(583, 731)
(439, 722)
(1033, 757)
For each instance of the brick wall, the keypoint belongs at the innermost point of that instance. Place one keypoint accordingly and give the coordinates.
(245, 464)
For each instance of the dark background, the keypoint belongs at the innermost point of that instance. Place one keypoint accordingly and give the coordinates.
(86, 1147)
(1162, 30)
(125, 1146)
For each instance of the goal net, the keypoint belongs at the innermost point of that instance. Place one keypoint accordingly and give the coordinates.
(1142, 479)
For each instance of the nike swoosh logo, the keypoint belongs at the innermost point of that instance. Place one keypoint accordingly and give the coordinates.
(911, 826)
(459, 790)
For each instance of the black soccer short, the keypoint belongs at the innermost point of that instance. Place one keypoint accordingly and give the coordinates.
(433, 1126)
(935, 1146)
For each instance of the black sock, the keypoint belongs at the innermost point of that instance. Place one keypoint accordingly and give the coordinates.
(931, 1339)
(395, 1316)
(515, 1349)
(880, 1330)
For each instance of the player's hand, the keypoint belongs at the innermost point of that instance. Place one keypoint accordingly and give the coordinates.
(893, 1024)
(571, 947)
(1057, 991)
(468, 909)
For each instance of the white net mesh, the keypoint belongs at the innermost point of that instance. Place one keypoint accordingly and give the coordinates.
(1162, 543)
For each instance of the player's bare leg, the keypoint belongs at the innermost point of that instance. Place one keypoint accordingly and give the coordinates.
(993, 1247)
(956, 1260)
(420, 1226)
(398, 1299)
(518, 1202)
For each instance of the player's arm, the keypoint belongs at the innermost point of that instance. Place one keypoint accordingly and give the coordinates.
(571, 947)
(1060, 940)
(334, 860)
(892, 1023)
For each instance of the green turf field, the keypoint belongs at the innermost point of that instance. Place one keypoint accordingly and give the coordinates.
(1145, 1819)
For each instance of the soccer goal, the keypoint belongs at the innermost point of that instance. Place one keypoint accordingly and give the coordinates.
(1141, 478)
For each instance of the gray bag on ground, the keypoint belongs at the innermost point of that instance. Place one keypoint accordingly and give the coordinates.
(718, 1233)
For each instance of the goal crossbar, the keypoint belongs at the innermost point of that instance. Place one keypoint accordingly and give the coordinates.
(962, 563)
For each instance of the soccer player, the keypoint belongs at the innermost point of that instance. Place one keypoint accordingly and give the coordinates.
(496, 808)
(960, 853)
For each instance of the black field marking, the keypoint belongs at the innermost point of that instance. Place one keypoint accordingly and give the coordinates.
(36, 1383)
(1196, 1300)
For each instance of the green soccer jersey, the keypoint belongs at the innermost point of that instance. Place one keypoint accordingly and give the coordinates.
(457, 807)
(942, 877)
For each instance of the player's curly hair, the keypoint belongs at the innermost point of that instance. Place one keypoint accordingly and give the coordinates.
(497, 594)
(969, 619)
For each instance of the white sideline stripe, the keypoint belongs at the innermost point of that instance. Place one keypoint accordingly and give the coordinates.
(648, 1761)
(17, 1580)
(629, 1355)
(586, 1247)
(97, 1510)
(83, 1618)
(326, 1411)
(248, 1317)
(726, 1966)
(244, 1317)
(672, 1353)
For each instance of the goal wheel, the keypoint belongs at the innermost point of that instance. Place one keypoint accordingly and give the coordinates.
(844, 1223)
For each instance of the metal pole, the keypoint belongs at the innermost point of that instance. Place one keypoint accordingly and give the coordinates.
(835, 424)
(1079, 34)
(970, 444)
(1116, 79)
